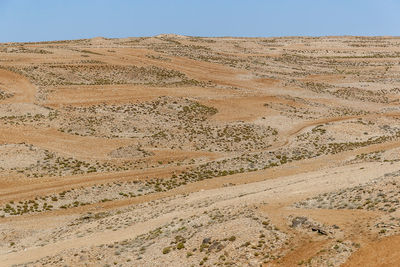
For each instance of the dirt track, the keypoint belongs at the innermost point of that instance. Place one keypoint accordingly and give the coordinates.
(277, 191)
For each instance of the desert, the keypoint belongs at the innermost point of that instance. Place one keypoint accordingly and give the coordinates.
(175, 150)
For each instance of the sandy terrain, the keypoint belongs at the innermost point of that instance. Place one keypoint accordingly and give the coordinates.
(186, 151)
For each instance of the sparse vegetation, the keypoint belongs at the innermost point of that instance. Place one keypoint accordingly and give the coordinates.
(183, 151)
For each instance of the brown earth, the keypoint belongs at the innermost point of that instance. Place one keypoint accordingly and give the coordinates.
(250, 128)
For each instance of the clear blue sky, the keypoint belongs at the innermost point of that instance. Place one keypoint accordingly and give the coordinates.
(38, 20)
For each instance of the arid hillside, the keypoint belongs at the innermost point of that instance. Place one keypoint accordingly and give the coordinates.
(188, 151)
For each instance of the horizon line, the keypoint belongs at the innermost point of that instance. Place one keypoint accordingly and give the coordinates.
(198, 36)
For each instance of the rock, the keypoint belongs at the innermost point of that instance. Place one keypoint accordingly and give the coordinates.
(298, 221)
(320, 231)
(207, 240)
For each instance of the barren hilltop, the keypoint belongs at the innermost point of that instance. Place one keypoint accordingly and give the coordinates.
(189, 151)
